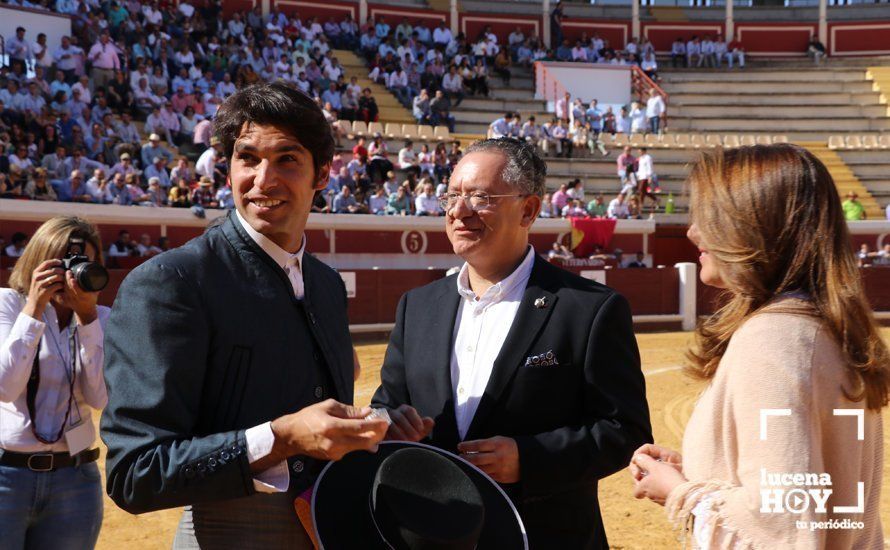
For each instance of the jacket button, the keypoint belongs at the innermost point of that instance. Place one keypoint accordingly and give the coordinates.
(189, 472)
(212, 463)
(201, 466)
(319, 392)
(297, 466)
(224, 456)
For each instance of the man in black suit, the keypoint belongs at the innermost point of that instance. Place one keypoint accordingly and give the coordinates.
(229, 360)
(530, 372)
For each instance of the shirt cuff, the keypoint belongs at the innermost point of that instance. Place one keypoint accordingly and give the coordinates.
(259, 444)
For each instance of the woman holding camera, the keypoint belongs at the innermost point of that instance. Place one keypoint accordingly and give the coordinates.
(51, 356)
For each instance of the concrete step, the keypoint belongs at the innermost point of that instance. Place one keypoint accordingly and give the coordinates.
(853, 158)
(766, 88)
(778, 111)
(511, 93)
(519, 83)
(721, 76)
(815, 98)
(875, 170)
(817, 126)
(500, 105)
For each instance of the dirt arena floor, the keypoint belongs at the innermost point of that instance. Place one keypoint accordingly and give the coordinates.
(631, 524)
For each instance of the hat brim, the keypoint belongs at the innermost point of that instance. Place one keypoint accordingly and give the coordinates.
(341, 514)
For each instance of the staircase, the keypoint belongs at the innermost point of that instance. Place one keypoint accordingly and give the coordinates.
(844, 178)
(390, 108)
(880, 78)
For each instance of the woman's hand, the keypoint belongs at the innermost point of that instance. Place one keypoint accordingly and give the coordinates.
(656, 471)
(83, 303)
(46, 281)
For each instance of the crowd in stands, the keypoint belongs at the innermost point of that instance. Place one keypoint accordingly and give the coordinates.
(577, 126)
(124, 247)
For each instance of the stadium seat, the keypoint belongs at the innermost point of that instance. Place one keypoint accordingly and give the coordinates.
(683, 141)
(667, 140)
(375, 128)
(730, 141)
(747, 140)
(393, 130)
(426, 133)
(870, 142)
(697, 141)
(884, 141)
(442, 133)
(345, 127)
(763, 140)
(780, 139)
(713, 140)
(854, 142)
(637, 140)
(620, 140)
(359, 129)
(409, 131)
(836, 142)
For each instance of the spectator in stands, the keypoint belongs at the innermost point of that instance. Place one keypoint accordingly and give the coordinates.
(158, 169)
(639, 261)
(564, 107)
(207, 164)
(408, 159)
(887, 211)
(530, 131)
(367, 105)
(399, 204)
(655, 110)
(421, 108)
(453, 85)
(575, 190)
(650, 66)
(645, 178)
(378, 202)
(853, 209)
(425, 162)
(203, 195)
(720, 49)
(734, 50)
(442, 36)
(559, 252)
(501, 127)
(224, 197)
(502, 66)
(16, 245)
(125, 166)
(426, 203)
(560, 134)
(618, 208)
(623, 122)
(180, 194)
(74, 190)
(104, 57)
(559, 199)
(597, 207)
(123, 246)
(344, 202)
(678, 53)
(816, 50)
(38, 187)
(440, 111)
(882, 257)
(574, 209)
(707, 53)
(693, 52)
(155, 195)
(145, 248)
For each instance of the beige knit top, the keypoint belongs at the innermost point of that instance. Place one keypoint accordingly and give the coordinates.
(781, 361)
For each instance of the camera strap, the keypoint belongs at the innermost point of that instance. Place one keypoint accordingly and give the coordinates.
(34, 385)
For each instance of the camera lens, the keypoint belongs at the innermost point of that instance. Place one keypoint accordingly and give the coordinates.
(91, 276)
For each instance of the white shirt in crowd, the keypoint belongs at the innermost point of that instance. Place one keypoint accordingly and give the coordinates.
(19, 338)
(428, 204)
(644, 167)
(480, 329)
(260, 438)
(617, 209)
(654, 107)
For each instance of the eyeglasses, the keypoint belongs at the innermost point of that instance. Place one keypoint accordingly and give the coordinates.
(476, 201)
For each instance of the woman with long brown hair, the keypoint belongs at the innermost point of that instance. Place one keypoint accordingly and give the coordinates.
(783, 449)
(51, 381)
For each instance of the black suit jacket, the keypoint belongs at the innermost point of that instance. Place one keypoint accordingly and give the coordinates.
(202, 344)
(574, 423)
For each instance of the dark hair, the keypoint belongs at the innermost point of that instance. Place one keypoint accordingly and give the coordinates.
(19, 237)
(525, 169)
(283, 106)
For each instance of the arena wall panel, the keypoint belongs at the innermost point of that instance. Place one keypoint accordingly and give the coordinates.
(394, 15)
(850, 39)
(775, 39)
(322, 10)
(616, 32)
(662, 35)
(472, 24)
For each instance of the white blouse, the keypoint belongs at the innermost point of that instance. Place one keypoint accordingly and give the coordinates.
(19, 336)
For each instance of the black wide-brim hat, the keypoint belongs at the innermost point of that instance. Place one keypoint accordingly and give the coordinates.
(342, 515)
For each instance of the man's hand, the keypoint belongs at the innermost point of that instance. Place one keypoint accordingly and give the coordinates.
(408, 425)
(326, 430)
(498, 457)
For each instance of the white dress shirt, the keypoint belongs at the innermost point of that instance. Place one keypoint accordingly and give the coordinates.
(260, 438)
(479, 332)
(19, 337)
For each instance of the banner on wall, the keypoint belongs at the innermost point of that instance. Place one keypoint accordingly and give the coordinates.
(587, 234)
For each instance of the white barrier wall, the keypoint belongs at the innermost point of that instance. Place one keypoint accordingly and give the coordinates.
(55, 26)
(610, 84)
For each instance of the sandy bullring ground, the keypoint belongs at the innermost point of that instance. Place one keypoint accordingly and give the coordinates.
(629, 523)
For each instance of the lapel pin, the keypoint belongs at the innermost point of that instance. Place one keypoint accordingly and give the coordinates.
(541, 303)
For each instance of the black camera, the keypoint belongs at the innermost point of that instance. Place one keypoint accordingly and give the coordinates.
(91, 276)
